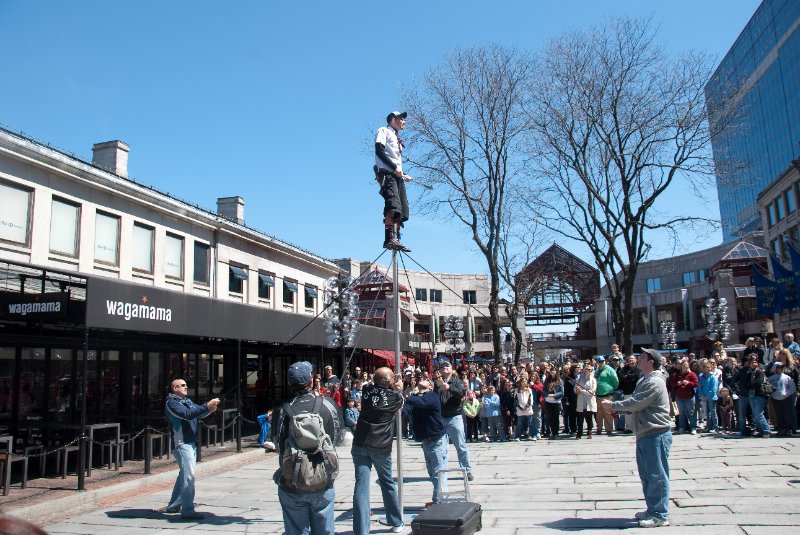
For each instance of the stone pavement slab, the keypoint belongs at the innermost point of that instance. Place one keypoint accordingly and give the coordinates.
(542, 488)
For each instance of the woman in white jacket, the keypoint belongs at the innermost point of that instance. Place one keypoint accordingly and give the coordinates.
(585, 387)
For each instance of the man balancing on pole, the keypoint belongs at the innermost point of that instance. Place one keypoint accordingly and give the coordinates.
(389, 174)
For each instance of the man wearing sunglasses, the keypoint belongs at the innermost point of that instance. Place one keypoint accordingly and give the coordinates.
(183, 415)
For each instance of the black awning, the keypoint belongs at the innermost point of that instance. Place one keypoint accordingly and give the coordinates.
(291, 286)
(238, 273)
(311, 292)
(266, 280)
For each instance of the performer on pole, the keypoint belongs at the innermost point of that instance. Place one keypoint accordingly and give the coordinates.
(389, 174)
(372, 446)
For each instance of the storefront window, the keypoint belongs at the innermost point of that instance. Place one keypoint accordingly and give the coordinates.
(155, 388)
(218, 374)
(31, 381)
(60, 392)
(6, 382)
(109, 382)
(136, 370)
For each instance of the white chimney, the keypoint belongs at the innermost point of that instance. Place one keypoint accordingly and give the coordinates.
(112, 156)
(231, 208)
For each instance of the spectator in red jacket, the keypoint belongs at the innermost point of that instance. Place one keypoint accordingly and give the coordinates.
(684, 384)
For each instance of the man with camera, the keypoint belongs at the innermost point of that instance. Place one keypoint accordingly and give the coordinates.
(372, 446)
(451, 392)
(183, 416)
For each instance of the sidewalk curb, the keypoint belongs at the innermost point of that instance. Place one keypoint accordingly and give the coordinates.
(94, 497)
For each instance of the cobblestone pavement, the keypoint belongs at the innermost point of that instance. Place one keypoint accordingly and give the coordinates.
(719, 485)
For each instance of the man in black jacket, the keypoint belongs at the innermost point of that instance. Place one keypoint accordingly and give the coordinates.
(628, 376)
(451, 391)
(372, 445)
(429, 429)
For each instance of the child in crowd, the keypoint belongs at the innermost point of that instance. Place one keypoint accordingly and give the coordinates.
(351, 415)
(725, 406)
(471, 407)
(491, 401)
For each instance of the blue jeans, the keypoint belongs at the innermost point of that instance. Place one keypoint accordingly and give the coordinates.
(436, 458)
(183, 491)
(307, 513)
(455, 432)
(711, 414)
(536, 421)
(363, 460)
(496, 431)
(757, 404)
(686, 407)
(652, 460)
(523, 426)
(741, 413)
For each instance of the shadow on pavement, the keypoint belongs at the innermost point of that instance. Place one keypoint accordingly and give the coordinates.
(570, 524)
(211, 519)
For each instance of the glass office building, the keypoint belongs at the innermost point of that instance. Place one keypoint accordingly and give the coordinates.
(759, 81)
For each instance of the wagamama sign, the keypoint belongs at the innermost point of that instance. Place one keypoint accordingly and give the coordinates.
(138, 310)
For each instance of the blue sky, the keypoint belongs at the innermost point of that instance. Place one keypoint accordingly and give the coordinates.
(277, 101)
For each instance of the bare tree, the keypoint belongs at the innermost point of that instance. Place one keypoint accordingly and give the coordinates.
(466, 127)
(519, 243)
(616, 122)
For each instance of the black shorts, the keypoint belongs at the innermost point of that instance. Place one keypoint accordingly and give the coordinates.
(393, 191)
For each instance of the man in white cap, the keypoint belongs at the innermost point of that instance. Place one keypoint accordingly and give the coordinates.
(389, 174)
(648, 408)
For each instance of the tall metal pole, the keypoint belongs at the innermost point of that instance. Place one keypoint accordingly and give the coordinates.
(398, 417)
(238, 428)
(82, 444)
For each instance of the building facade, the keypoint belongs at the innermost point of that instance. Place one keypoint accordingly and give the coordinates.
(148, 287)
(753, 100)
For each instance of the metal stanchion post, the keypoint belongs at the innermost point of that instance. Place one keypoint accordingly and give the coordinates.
(148, 453)
(82, 443)
(396, 298)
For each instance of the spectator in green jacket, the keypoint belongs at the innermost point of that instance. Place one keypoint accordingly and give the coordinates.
(607, 383)
(471, 406)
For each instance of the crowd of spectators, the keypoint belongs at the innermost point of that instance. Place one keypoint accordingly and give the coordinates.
(753, 393)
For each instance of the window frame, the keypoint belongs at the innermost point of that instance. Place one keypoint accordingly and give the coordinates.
(181, 256)
(207, 248)
(421, 292)
(108, 215)
(77, 237)
(287, 288)
(152, 247)
(433, 294)
(232, 276)
(29, 216)
(262, 284)
(470, 297)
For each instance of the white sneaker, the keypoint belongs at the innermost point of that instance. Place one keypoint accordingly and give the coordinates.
(653, 523)
(641, 515)
(692, 432)
(269, 446)
(398, 529)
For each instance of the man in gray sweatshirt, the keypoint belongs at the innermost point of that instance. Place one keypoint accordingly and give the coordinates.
(648, 408)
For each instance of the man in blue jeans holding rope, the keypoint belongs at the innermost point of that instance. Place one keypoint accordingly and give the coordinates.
(648, 408)
(183, 415)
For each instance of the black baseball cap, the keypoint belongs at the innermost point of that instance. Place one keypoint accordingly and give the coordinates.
(392, 115)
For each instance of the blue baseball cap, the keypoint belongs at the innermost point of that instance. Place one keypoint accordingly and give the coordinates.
(600, 358)
(300, 373)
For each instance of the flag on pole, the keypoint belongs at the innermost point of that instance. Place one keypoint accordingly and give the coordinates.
(766, 294)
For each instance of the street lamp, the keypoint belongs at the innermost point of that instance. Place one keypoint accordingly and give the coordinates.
(341, 327)
(669, 337)
(717, 317)
(454, 335)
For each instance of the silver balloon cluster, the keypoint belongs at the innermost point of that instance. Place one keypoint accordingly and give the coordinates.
(669, 338)
(717, 317)
(341, 327)
(454, 335)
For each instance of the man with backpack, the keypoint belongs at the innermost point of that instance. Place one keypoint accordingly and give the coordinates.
(372, 446)
(305, 430)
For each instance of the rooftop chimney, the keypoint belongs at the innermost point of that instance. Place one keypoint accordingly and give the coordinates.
(231, 208)
(112, 155)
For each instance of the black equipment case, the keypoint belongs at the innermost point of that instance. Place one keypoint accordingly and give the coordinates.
(448, 518)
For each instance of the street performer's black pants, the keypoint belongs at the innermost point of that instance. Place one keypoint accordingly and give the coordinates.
(393, 191)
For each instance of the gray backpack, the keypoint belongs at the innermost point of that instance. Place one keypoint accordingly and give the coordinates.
(309, 463)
